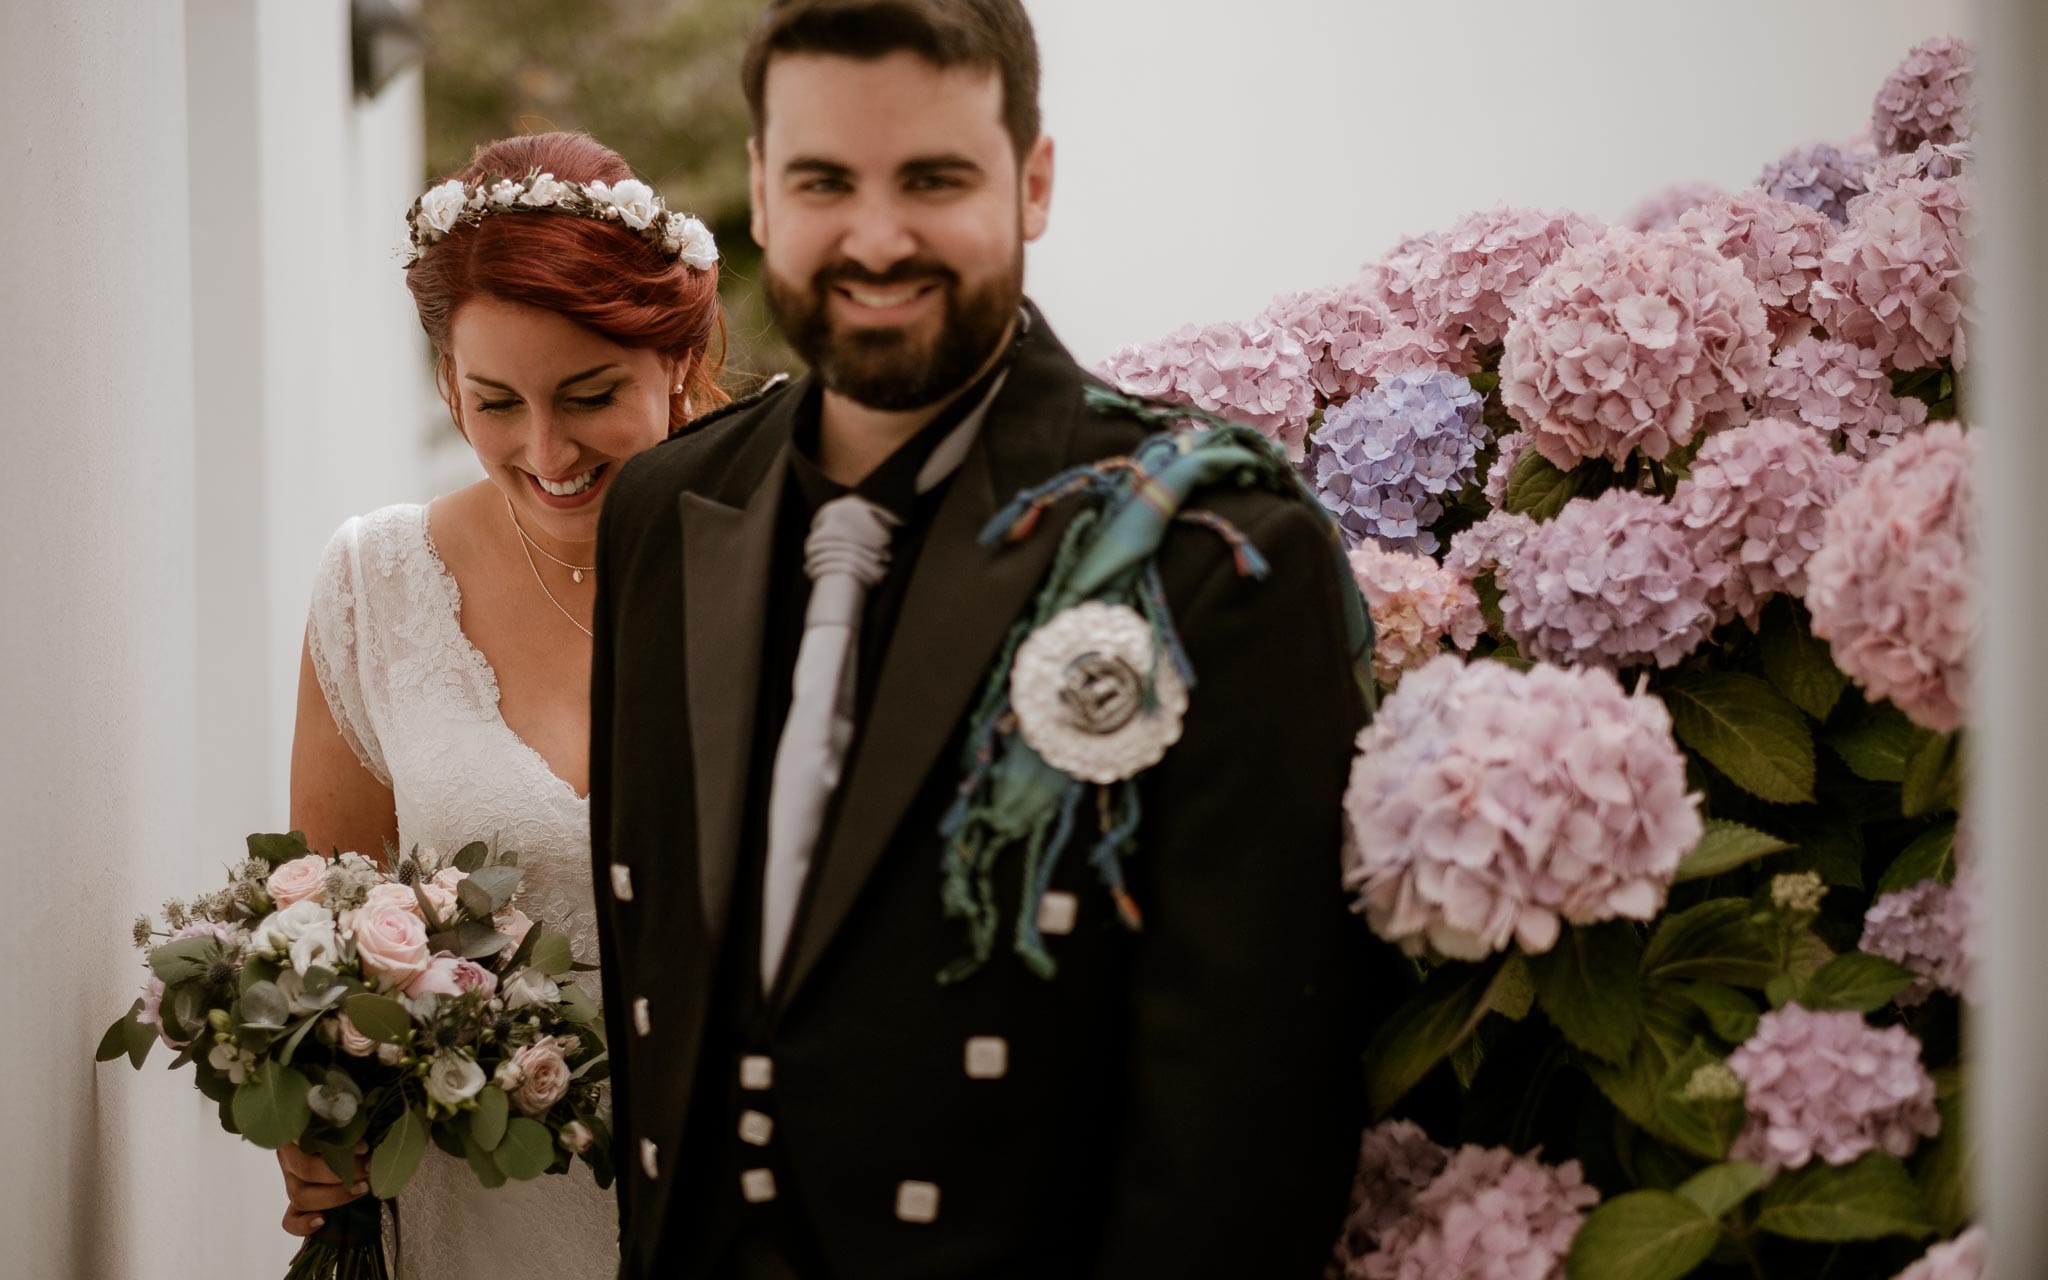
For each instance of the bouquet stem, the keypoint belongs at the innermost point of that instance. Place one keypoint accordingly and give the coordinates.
(348, 1246)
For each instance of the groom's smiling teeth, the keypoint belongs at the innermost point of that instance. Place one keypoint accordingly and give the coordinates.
(573, 485)
(885, 298)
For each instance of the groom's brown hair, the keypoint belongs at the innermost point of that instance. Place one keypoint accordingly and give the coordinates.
(994, 35)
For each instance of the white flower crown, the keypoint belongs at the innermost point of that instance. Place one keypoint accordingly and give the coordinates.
(631, 203)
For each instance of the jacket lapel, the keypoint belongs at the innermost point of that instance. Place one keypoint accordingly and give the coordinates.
(728, 553)
(961, 601)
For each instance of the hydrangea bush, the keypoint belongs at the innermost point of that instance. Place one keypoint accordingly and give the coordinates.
(1666, 530)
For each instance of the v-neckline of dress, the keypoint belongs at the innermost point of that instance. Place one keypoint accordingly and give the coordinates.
(451, 593)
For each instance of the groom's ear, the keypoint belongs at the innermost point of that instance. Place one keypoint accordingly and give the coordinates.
(1034, 188)
(757, 194)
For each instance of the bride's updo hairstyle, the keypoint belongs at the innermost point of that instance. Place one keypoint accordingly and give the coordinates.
(600, 275)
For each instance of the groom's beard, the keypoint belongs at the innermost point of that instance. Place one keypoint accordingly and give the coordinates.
(892, 369)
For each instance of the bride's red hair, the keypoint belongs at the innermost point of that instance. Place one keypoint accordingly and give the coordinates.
(603, 277)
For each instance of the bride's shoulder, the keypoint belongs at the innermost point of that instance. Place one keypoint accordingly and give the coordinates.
(376, 539)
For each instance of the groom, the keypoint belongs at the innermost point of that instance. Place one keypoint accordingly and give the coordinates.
(795, 617)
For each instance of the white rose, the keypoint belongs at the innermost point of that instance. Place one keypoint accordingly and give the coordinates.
(319, 947)
(454, 1079)
(505, 192)
(441, 205)
(531, 987)
(576, 1137)
(544, 192)
(508, 1075)
(281, 929)
(690, 240)
(636, 202)
(390, 1054)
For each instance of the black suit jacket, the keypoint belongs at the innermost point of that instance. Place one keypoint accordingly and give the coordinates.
(1181, 1102)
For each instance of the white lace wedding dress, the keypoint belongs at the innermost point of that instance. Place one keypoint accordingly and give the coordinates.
(419, 704)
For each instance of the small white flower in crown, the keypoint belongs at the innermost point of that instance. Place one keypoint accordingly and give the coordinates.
(630, 203)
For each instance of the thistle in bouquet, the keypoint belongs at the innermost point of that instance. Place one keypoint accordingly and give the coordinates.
(335, 1003)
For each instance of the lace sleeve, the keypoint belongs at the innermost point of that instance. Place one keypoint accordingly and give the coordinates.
(333, 638)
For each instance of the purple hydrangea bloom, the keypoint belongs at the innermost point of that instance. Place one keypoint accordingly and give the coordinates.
(1823, 177)
(1927, 928)
(1610, 582)
(1755, 504)
(1633, 342)
(1663, 210)
(1490, 1215)
(1255, 373)
(1384, 461)
(1892, 587)
(1964, 1258)
(1396, 1159)
(1895, 279)
(1842, 389)
(1488, 804)
(1828, 1084)
(1930, 97)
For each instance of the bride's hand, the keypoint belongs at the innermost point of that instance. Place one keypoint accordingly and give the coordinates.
(313, 1189)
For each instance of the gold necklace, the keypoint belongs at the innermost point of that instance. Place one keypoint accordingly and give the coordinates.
(524, 543)
(576, 571)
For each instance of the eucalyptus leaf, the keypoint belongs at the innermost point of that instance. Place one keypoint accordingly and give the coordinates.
(114, 1043)
(264, 1005)
(471, 856)
(487, 1123)
(291, 1044)
(278, 849)
(1588, 987)
(473, 899)
(336, 1099)
(551, 954)
(1744, 728)
(1726, 846)
(186, 960)
(1642, 1235)
(501, 883)
(1867, 1200)
(379, 1017)
(485, 1167)
(472, 940)
(270, 1105)
(1718, 1188)
(526, 1150)
(397, 1157)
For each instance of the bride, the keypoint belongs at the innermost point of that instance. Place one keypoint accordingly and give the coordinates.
(444, 693)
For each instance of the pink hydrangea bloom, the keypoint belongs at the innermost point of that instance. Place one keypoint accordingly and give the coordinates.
(1490, 1215)
(1930, 97)
(1633, 342)
(1489, 546)
(1611, 582)
(1755, 504)
(1255, 373)
(1664, 209)
(1355, 335)
(1892, 587)
(1506, 450)
(1396, 1160)
(1841, 389)
(1470, 277)
(1779, 245)
(1416, 604)
(1895, 279)
(1928, 928)
(1930, 160)
(1487, 804)
(1829, 1084)
(1964, 1258)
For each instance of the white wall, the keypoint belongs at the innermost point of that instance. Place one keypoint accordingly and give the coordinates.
(202, 370)
(1212, 153)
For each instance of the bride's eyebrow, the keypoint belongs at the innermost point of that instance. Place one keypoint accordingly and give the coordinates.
(571, 380)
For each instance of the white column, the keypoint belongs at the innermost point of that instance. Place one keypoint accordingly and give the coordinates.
(2010, 1032)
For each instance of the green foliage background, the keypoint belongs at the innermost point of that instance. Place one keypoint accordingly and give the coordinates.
(656, 80)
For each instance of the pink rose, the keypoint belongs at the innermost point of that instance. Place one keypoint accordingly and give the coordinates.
(448, 877)
(448, 974)
(151, 1013)
(543, 1077)
(402, 896)
(391, 942)
(512, 922)
(297, 880)
(353, 1042)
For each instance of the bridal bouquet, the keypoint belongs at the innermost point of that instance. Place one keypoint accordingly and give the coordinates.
(331, 1003)
(1667, 532)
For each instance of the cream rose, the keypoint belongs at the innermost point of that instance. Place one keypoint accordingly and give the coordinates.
(531, 987)
(392, 943)
(691, 241)
(441, 205)
(543, 1077)
(297, 880)
(454, 1079)
(636, 202)
(544, 192)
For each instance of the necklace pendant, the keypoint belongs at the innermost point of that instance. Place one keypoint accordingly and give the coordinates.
(575, 575)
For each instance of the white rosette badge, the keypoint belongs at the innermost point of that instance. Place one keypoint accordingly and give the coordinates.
(1079, 687)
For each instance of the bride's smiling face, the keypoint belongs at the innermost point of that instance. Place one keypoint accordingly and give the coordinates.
(552, 409)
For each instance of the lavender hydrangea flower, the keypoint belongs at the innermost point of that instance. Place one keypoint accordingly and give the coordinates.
(1830, 1085)
(1892, 587)
(1383, 461)
(1755, 503)
(1396, 1159)
(1490, 1215)
(1779, 245)
(1842, 389)
(1470, 277)
(1489, 804)
(1930, 97)
(1356, 335)
(1663, 210)
(1964, 1258)
(1895, 279)
(1416, 605)
(1927, 928)
(1256, 373)
(1610, 582)
(1822, 176)
(1633, 342)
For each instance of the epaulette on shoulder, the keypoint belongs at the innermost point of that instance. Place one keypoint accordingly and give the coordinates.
(775, 386)
(1162, 415)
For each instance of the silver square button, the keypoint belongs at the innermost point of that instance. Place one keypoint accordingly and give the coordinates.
(1057, 912)
(988, 1058)
(757, 1071)
(622, 882)
(756, 1128)
(650, 1158)
(758, 1185)
(917, 1202)
(643, 1022)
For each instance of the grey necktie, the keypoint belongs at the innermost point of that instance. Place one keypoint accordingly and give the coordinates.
(845, 553)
